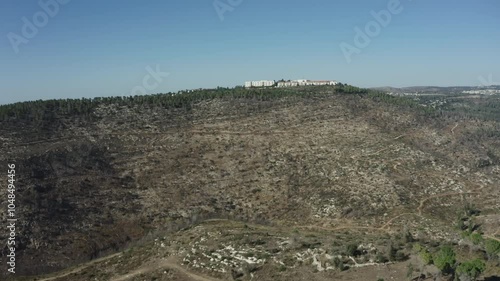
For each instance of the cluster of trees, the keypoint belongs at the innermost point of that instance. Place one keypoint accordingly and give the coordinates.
(406, 102)
(40, 110)
(445, 260)
(458, 106)
(487, 108)
(490, 246)
(348, 89)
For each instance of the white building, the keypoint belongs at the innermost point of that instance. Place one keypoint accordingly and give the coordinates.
(303, 82)
(323, 82)
(283, 84)
(261, 83)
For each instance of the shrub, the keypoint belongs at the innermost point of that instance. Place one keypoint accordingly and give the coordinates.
(426, 257)
(339, 264)
(476, 238)
(445, 260)
(470, 270)
(492, 248)
(410, 271)
(352, 250)
(381, 258)
(392, 252)
(417, 248)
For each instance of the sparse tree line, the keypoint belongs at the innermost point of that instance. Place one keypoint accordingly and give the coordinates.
(40, 110)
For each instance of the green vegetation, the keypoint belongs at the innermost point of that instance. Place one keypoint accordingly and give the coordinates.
(382, 97)
(423, 253)
(339, 264)
(476, 238)
(426, 257)
(352, 250)
(492, 248)
(445, 260)
(470, 270)
(410, 271)
(41, 112)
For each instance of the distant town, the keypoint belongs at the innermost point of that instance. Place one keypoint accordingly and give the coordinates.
(289, 83)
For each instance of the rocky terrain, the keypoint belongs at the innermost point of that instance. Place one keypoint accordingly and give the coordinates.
(321, 186)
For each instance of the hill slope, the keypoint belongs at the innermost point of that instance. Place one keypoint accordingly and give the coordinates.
(93, 184)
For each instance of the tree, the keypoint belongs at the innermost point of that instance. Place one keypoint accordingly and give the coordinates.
(392, 252)
(445, 260)
(470, 270)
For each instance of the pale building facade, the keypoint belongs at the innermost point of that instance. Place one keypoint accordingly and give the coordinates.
(303, 82)
(289, 83)
(261, 83)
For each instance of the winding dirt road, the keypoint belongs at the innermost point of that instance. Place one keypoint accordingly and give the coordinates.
(164, 263)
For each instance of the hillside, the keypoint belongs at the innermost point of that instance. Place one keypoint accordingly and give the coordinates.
(234, 184)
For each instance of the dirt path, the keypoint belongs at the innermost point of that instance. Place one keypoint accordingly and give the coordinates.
(350, 227)
(171, 263)
(164, 263)
(422, 205)
(422, 202)
(491, 237)
(79, 268)
(385, 227)
(168, 263)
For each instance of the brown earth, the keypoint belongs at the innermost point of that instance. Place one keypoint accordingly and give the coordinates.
(331, 161)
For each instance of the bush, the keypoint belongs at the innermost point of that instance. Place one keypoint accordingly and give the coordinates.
(426, 257)
(352, 250)
(400, 256)
(492, 248)
(445, 260)
(392, 252)
(417, 248)
(476, 238)
(339, 264)
(381, 258)
(470, 270)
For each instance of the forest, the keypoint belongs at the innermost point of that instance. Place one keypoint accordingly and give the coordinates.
(455, 106)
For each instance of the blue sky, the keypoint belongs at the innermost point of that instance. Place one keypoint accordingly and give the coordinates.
(95, 48)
